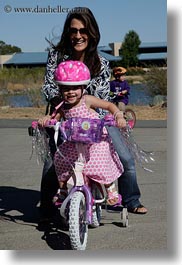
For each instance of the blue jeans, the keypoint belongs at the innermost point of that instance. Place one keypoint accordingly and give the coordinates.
(127, 182)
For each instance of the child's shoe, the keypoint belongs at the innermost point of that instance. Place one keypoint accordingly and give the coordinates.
(60, 197)
(113, 197)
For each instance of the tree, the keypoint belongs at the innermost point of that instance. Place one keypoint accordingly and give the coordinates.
(7, 48)
(129, 49)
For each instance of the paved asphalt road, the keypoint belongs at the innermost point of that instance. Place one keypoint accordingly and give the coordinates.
(19, 198)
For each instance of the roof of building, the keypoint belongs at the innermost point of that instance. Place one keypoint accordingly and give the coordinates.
(41, 58)
(153, 44)
(109, 57)
(152, 56)
(28, 58)
(105, 48)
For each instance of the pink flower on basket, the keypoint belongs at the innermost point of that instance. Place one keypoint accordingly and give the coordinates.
(72, 73)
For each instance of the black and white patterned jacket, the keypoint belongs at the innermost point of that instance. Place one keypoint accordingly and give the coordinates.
(99, 86)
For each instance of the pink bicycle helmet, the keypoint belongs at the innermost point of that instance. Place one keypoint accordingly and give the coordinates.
(72, 73)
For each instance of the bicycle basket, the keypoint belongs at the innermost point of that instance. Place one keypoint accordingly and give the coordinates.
(83, 130)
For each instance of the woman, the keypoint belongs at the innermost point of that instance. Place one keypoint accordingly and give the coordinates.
(79, 41)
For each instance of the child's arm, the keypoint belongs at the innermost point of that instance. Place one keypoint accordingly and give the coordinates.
(124, 92)
(93, 103)
(42, 121)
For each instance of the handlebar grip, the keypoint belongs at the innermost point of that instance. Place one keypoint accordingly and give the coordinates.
(34, 124)
(47, 124)
(50, 122)
(109, 120)
(110, 123)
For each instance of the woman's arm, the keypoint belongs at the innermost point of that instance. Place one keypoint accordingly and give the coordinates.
(99, 86)
(50, 88)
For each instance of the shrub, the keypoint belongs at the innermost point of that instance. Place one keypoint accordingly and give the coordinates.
(135, 71)
(156, 81)
(35, 97)
(28, 76)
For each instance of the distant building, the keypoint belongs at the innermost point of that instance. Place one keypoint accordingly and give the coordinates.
(115, 46)
(149, 53)
(152, 53)
(27, 59)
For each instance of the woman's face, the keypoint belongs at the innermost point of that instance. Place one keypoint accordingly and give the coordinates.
(78, 35)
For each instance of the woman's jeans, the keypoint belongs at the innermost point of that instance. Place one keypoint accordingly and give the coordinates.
(127, 182)
(49, 182)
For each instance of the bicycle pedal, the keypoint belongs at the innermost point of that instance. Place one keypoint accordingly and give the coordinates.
(114, 209)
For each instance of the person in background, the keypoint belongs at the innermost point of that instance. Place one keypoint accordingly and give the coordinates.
(79, 41)
(119, 88)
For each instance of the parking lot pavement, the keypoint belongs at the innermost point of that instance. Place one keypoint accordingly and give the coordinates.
(19, 200)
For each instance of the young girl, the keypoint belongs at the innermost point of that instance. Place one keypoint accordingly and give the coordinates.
(102, 162)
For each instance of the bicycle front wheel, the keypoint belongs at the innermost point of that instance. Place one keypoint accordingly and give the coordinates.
(78, 226)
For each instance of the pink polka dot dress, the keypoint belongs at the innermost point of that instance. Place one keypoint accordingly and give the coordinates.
(102, 162)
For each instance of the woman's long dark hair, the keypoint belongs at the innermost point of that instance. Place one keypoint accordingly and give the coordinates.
(64, 47)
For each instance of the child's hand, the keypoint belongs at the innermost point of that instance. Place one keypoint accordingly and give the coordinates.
(121, 122)
(119, 118)
(42, 121)
(123, 92)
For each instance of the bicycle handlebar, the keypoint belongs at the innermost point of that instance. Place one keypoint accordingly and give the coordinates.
(119, 94)
(49, 123)
(80, 129)
(108, 120)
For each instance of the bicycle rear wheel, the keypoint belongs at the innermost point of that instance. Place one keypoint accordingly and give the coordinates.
(78, 226)
(130, 117)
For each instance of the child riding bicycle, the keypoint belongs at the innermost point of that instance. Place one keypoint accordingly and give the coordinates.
(119, 88)
(102, 162)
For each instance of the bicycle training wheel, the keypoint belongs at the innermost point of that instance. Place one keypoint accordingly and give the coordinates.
(124, 217)
(96, 215)
(130, 117)
(78, 227)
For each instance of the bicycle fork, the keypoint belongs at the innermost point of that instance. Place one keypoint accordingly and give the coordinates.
(79, 187)
(88, 202)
